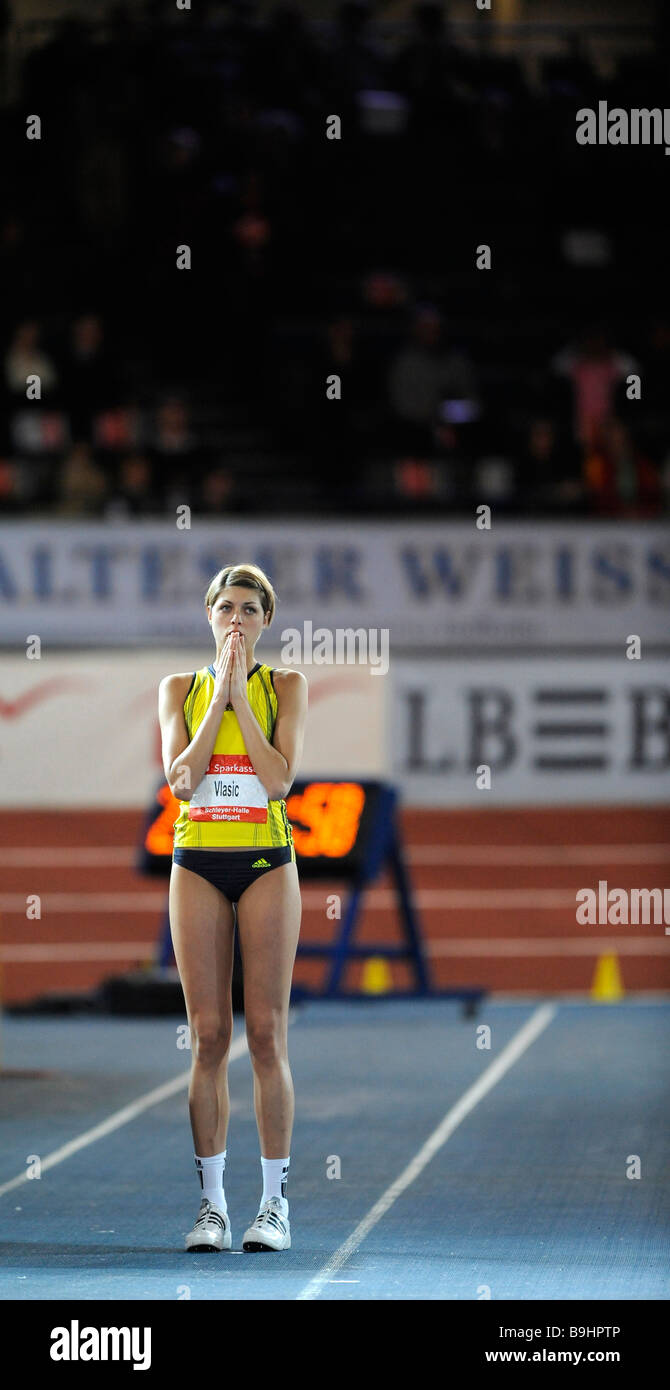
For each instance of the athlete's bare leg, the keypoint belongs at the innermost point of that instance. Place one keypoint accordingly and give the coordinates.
(268, 915)
(202, 924)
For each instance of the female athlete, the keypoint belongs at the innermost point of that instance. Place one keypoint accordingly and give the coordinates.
(232, 737)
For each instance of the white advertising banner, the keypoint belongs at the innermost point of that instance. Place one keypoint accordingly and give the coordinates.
(433, 586)
(82, 730)
(531, 732)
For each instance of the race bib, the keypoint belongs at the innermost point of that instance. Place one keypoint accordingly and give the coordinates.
(229, 790)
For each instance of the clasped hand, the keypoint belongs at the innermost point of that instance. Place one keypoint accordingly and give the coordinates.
(231, 670)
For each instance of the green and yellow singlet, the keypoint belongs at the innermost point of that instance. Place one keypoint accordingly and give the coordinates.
(229, 808)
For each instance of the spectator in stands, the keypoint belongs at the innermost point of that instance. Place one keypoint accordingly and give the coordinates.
(355, 54)
(619, 479)
(9, 498)
(59, 78)
(290, 61)
(89, 375)
(229, 156)
(569, 75)
(343, 351)
(425, 68)
(17, 265)
(664, 476)
(134, 492)
(26, 357)
(425, 373)
(173, 448)
(594, 370)
(652, 410)
(82, 484)
(171, 435)
(28, 484)
(251, 282)
(385, 296)
(340, 425)
(177, 181)
(215, 492)
(458, 439)
(252, 228)
(418, 481)
(656, 364)
(548, 473)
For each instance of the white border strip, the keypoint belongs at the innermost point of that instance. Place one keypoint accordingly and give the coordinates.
(532, 856)
(80, 951)
(376, 900)
(528, 856)
(469, 947)
(525, 947)
(510, 1054)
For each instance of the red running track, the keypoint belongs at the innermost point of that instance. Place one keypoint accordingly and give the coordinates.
(495, 890)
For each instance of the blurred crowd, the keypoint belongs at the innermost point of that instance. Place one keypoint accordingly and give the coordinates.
(334, 344)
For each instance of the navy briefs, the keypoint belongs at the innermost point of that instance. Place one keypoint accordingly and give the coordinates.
(233, 870)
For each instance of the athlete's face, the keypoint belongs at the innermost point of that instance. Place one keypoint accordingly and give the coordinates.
(237, 609)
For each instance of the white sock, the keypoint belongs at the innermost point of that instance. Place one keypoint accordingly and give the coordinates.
(210, 1172)
(275, 1174)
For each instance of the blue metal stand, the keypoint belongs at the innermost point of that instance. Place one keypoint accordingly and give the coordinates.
(383, 851)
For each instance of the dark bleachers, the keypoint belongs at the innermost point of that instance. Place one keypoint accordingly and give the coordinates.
(210, 130)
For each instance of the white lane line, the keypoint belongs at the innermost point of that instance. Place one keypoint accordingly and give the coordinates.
(580, 999)
(78, 950)
(51, 857)
(502, 899)
(120, 1117)
(139, 901)
(531, 855)
(547, 946)
(510, 1054)
(376, 900)
(467, 946)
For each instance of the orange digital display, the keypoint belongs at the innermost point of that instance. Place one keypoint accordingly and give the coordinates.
(325, 817)
(159, 838)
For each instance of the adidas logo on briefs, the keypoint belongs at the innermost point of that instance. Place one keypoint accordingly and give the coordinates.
(261, 864)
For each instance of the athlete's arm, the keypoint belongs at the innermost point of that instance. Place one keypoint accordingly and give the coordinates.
(185, 762)
(289, 730)
(276, 763)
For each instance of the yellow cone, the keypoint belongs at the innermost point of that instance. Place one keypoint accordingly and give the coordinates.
(376, 976)
(607, 982)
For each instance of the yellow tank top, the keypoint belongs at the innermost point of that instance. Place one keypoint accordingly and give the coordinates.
(275, 831)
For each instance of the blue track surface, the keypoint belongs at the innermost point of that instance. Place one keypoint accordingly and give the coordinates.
(528, 1196)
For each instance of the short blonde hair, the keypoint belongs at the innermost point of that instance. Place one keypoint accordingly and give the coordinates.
(248, 577)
